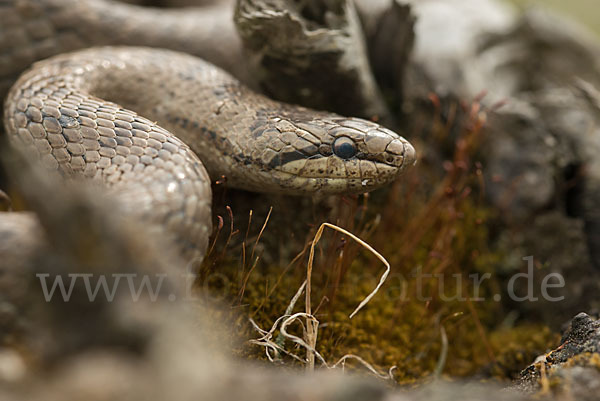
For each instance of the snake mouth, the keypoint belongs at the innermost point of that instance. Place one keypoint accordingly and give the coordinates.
(319, 186)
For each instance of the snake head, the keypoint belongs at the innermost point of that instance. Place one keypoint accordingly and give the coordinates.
(332, 155)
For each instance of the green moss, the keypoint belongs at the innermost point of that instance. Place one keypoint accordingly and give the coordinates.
(586, 359)
(396, 328)
(518, 347)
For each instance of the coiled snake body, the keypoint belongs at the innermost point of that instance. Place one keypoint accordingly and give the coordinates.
(56, 112)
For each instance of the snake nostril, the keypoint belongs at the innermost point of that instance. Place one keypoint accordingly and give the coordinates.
(325, 150)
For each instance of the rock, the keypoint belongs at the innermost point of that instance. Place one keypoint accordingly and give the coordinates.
(389, 32)
(299, 48)
(572, 370)
(557, 245)
(449, 54)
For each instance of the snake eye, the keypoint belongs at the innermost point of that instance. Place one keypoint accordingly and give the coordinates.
(344, 147)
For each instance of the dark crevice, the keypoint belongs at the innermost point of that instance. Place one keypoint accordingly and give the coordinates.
(316, 11)
(573, 182)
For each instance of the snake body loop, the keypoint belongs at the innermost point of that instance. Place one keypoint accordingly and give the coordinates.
(57, 113)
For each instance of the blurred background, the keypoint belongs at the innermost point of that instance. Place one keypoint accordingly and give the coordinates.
(584, 11)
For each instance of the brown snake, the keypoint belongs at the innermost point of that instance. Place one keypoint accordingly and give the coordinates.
(56, 113)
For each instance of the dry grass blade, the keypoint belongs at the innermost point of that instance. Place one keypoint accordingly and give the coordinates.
(311, 322)
(261, 232)
(246, 276)
(266, 341)
(219, 228)
(310, 328)
(267, 336)
(295, 299)
(443, 353)
(361, 242)
(271, 290)
(310, 349)
(245, 281)
(366, 364)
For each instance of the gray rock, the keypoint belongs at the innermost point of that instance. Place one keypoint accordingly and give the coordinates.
(571, 371)
(312, 53)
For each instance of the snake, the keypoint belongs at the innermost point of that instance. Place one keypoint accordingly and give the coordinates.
(155, 127)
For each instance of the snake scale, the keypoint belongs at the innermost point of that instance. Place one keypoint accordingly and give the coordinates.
(154, 125)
